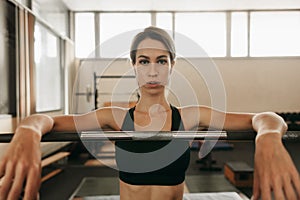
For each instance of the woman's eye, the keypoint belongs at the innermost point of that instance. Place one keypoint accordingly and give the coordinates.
(143, 62)
(162, 62)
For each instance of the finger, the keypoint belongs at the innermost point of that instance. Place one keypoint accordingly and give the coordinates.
(256, 190)
(289, 190)
(265, 189)
(278, 190)
(7, 181)
(33, 183)
(17, 185)
(2, 168)
(296, 183)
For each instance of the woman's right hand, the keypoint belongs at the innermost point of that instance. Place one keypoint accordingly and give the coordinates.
(21, 166)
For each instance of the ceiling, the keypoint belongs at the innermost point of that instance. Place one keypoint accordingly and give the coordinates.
(178, 5)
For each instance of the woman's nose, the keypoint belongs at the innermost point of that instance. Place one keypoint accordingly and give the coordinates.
(153, 72)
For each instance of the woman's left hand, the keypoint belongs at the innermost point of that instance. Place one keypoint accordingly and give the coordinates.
(274, 170)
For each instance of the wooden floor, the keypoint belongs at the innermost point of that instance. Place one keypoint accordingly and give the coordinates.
(63, 185)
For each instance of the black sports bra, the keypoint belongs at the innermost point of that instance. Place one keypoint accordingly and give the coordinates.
(152, 162)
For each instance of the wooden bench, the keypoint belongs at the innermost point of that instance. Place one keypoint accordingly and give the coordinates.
(50, 160)
(239, 174)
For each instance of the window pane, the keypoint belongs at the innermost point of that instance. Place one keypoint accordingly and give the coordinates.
(207, 29)
(8, 58)
(84, 35)
(164, 21)
(112, 24)
(54, 13)
(48, 70)
(239, 32)
(275, 33)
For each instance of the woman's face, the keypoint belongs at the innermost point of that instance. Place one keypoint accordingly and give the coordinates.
(153, 65)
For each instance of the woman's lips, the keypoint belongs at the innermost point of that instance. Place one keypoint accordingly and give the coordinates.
(153, 84)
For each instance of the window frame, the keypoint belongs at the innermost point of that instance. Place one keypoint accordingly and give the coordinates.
(33, 67)
(228, 29)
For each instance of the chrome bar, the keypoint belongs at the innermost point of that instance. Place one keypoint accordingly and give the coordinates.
(293, 136)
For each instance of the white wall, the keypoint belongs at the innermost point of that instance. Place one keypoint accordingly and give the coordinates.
(251, 84)
(262, 84)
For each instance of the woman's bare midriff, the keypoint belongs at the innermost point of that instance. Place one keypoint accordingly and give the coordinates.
(151, 192)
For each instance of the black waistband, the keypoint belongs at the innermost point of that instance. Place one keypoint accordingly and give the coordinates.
(151, 179)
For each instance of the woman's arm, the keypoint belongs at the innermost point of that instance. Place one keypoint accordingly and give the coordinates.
(274, 168)
(204, 116)
(268, 122)
(22, 160)
(111, 117)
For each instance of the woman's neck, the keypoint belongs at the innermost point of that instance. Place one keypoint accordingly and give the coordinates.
(153, 104)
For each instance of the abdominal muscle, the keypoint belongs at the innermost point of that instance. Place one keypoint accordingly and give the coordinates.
(150, 192)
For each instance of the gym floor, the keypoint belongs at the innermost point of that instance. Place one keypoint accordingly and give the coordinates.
(104, 179)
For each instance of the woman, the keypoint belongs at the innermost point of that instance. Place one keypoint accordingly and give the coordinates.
(153, 57)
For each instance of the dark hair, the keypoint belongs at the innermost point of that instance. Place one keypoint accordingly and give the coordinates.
(155, 34)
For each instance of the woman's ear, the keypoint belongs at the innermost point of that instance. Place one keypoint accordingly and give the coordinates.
(172, 65)
(134, 68)
(132, 64)
(130, 61)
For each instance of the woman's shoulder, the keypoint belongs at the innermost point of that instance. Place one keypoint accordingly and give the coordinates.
(191, 108)
(112, 115)
(190, 115)
(113, 111)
